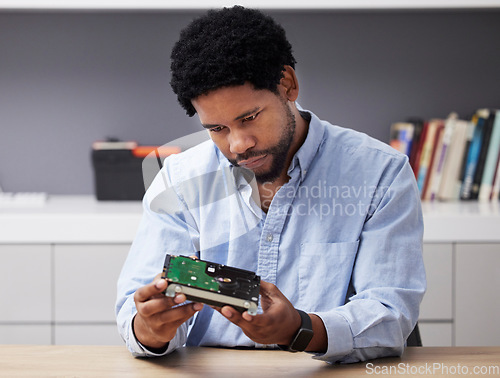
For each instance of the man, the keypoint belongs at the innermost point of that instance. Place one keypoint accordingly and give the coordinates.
(328, 217)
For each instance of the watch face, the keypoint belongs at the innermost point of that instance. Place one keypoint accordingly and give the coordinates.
(302, 340)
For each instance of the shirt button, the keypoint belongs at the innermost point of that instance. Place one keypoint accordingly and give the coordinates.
(269, 237)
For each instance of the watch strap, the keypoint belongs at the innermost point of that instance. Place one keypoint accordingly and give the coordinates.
(303, 336)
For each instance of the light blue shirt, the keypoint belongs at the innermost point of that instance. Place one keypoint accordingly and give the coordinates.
(342, 240)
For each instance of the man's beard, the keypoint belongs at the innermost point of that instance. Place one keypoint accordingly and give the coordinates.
(278, 152)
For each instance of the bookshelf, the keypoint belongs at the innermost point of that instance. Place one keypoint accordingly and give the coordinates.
(453, 159)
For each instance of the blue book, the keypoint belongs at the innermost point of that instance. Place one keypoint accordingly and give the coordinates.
(489, 118)
(472, 159)
(491, 160)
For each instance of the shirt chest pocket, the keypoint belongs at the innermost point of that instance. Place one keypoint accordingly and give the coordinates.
(325, 270)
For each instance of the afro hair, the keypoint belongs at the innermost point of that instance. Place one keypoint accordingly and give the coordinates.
(228, 47)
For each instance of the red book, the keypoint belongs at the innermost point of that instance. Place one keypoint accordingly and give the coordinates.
(438, 139)
(415, 164)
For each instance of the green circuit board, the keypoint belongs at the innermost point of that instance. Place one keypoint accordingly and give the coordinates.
(191, 272)
(212, 283)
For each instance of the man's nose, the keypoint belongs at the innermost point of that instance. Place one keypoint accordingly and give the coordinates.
(240, 141)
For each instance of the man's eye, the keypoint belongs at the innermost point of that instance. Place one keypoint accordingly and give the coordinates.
(250, 118)
(216, 129)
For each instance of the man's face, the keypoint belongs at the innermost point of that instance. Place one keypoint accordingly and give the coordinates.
(252, 128)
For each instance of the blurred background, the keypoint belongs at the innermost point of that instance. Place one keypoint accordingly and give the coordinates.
(69, 78)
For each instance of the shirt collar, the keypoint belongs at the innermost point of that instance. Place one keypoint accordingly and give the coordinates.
(307, 152)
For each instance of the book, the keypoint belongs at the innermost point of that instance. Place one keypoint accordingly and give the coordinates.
(430, 130)
(401, 137)
(452, 159)
(440, 158)
(449, 186)
(468, 141)
(420, 128)
(489, 118)
(436, 151)
(491, 159)
(496, 182)
(472, 157)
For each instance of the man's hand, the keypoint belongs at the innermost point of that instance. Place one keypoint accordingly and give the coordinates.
(277, 325)
(156, 321)
(279, 322)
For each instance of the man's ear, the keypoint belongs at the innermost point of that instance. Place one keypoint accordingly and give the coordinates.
(289, 84)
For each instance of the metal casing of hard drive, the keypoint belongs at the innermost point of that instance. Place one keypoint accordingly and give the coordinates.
(211, 283)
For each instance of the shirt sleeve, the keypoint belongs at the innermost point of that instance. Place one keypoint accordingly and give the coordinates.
(388, 278)
(165, 228)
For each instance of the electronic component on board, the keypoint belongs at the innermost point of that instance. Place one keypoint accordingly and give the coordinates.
(211, 283)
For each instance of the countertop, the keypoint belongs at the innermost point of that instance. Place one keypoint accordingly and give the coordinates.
(84, 219)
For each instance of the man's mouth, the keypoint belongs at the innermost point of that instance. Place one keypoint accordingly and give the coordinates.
(254, 162)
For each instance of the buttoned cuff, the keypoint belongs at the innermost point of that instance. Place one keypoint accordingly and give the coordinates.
(139, 350)
(340, 340)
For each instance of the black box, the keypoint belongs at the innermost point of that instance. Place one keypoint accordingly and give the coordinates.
(117, 175)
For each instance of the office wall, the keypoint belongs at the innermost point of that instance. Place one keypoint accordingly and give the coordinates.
(70, 78)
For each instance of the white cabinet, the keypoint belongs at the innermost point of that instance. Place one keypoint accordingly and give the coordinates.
(85, 277)
(462, 304)
(60, 293)
(436, 310)
(436, 333)
(437, 302)
(25, 283)
(26, 294)
(477, 294)
(40, 334)
(87, 334)
(59, 266)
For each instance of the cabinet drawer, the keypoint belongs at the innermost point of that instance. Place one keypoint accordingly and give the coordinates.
(87, 334)
(436, 334)
(85, 281)
(26, 334)
(25, 283)
(437, 302)
(477, 299)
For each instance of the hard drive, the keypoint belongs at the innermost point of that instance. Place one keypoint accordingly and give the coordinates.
(211, 283)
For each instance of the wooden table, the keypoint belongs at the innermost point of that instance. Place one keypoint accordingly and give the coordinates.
(115, 361)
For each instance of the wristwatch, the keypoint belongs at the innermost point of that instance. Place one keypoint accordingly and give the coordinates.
(303, 336)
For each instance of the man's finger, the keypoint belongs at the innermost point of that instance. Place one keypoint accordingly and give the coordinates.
(146, 292)
(181, 313)
(231, 314)
(249, 318)
(267, 288)
(153, 306)
(159, 303)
